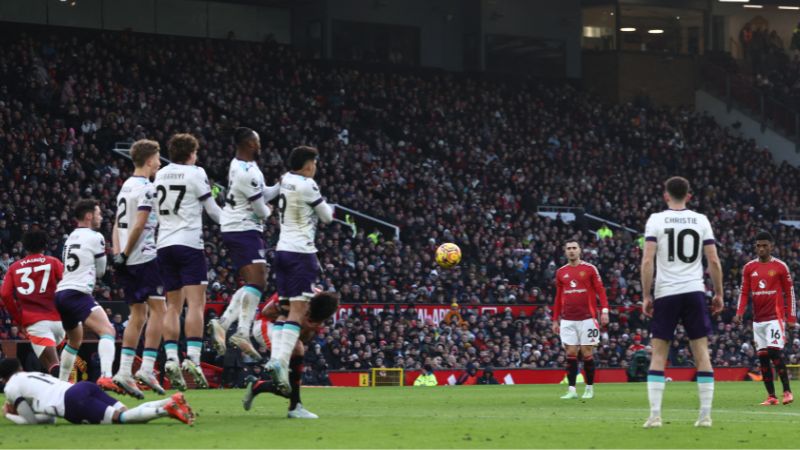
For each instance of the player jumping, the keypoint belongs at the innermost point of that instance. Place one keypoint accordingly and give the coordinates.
(578, 287)
(321, 307)
(183, 193)
(35, 398)
(242, 228)
(768, 279)
(32, 282)
(85, 262)
(675, 237)
(296, 266)
(134, 238)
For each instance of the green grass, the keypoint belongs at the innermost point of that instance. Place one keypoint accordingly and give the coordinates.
(445, 417)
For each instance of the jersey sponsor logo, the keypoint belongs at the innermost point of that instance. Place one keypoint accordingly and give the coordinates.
(772, 292)
(573, 284)
(762, 284)
(575, 291)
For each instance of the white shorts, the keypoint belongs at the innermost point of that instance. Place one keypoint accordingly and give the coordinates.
(580, 332)
(45, 333)
(769, 334)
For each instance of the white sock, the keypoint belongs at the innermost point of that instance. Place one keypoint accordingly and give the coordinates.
(572, 389)
(193, 351)
(231, 313)
(589, 387)
(143, 413)
(148, 360)
(275, 340)
(705, 390)
(108, 416)
(171, 349)
(655, 391)
(126, 361)
(68, 355)
(106, 350)
(250, 299)
(289, 335)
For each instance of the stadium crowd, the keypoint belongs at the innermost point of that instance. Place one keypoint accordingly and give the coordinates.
(446, 157)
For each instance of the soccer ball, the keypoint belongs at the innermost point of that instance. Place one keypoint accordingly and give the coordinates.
(448, 255)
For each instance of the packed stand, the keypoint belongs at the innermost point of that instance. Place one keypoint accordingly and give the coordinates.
(447, 157)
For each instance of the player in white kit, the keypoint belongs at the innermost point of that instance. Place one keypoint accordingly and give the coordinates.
(242, 232)
(134, 241)
(296, 267)
(84, 262)
(674, 239)
(183, 194)
(36, 398)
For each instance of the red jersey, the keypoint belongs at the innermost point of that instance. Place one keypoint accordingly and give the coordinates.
(768, 283)
(577, 290)
(32, 282)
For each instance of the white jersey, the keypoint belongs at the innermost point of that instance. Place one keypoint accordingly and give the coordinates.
(681, 236)
(245, 185)
(137, 194)
(181, 190)
(44, 393)
(297, 199)
(82, 248)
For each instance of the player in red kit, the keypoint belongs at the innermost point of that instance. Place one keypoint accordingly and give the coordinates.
(32, 281)
(769, 282)
(578, 286)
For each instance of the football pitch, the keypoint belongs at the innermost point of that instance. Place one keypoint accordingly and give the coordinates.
(520, 416)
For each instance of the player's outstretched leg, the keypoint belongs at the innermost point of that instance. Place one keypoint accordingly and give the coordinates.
(780, 367)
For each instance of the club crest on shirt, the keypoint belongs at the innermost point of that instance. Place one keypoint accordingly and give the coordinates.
(772, 273)
(582, 274)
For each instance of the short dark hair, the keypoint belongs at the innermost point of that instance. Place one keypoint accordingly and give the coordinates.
(8, 367)
(322, 306)
(142, 150)
(677, 188)
(181, 146)
(569, 241)
(299, 156)
(83, 207)
(242, 135)
(764, 235)
(34, 241)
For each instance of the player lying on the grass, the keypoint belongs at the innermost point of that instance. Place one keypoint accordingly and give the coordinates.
(37, 398)
(321, 308)
(768, 280)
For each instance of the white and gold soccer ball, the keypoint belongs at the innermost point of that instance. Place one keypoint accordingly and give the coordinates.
(448, 255)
